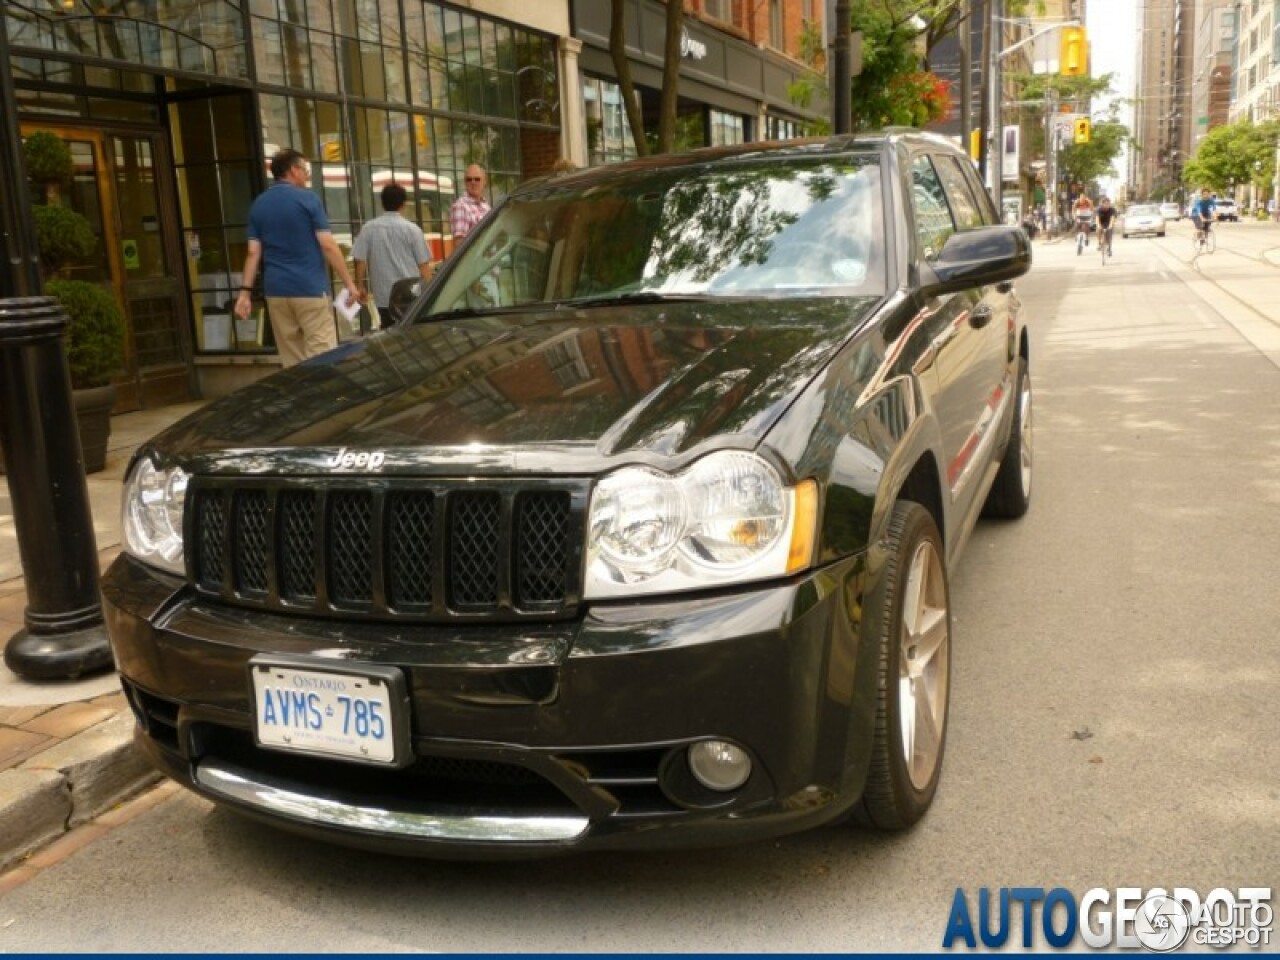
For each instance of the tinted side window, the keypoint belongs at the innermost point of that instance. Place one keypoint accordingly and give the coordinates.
(964, 205)
(933, 216)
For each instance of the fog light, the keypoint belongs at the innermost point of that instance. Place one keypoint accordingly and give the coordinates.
(719, 765)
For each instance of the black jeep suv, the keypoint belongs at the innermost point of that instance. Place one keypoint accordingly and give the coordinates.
(634, 532)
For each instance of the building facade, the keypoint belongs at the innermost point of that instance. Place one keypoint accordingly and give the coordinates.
(1162, 120)
(1211, 68)
(740, 63)
(172, 107)
(1256, 78)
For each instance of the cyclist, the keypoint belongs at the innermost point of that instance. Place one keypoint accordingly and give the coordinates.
(1082, 209)
(1105, 217)
(1203, 213)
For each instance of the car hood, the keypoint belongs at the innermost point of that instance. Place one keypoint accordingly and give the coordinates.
(560, 390)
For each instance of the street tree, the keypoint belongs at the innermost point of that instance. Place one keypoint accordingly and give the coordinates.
(896, 85)
(1087, 162)
(1233, 154)
(1082, 163)
(670, 77)
(892, 85)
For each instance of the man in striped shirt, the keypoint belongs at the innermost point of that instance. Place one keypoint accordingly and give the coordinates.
(469, 209)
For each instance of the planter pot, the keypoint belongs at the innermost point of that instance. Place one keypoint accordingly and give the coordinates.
(93, 416)
(93, 419)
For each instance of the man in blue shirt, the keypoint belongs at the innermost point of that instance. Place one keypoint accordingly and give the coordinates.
(1202, 211)
(289, 233)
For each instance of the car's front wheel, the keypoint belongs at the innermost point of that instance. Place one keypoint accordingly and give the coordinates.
(1010, 494)
(914, 675)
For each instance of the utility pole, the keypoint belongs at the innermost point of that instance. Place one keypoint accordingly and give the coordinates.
(1051, 160)
(996, 164)
(984, 111)
(841, 101)
(966, 76)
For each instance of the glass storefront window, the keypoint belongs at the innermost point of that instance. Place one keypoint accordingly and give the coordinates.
(373, 79)
(268, 54)
(168, 36)
(608, 131)
(355, 85)
(780, 128)
(727, 128)
(295, 42)
(452, 32)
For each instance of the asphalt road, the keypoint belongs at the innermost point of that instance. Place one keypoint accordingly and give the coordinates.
(1113, 720)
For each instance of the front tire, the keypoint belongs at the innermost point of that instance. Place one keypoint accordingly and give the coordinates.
(1010, 494)
(913, 606)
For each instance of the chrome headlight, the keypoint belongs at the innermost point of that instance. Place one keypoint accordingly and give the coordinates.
(152, 514)
(728, 518)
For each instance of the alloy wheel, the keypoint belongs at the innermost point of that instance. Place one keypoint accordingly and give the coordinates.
(924, 662)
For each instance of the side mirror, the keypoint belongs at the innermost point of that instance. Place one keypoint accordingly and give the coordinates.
(977, 258)
(403, 294)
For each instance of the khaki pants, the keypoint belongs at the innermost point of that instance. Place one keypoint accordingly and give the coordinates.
(303, 327)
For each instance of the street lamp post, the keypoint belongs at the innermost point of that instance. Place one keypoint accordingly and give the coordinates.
(993, 114)
(64, 635)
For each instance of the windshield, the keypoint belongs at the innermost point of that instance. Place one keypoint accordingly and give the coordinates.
(783, 227)
(1145, 212)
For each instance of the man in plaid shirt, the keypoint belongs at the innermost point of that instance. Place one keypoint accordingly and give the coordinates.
(470, 209)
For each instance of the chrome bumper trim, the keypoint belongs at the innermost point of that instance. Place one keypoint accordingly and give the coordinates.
(264, 793)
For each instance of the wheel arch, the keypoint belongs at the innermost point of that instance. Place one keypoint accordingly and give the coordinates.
(923, 485)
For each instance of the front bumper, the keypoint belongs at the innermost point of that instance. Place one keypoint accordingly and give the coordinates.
(527, 739)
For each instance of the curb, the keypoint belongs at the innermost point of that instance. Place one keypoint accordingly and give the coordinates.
(69, 783)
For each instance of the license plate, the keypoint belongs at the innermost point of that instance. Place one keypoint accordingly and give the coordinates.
(349, 714)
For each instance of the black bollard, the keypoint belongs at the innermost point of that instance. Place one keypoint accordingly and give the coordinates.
(64, 637)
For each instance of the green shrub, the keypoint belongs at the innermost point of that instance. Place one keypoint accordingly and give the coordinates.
(47, 158)
(95, 337)
(62, 235)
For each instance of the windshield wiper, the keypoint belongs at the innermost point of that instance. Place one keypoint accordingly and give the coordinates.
(635, 296)
(462, 312)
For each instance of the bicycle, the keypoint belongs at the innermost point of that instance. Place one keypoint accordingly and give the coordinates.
(1202, 241)
(1082, 236)
(1104, 245)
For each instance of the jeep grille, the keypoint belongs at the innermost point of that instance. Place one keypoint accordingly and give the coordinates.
(395, 549)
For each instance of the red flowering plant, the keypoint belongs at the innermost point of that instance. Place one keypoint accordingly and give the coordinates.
(916, 99)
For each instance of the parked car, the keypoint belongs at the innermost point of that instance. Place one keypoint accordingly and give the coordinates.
(636, 531)
(1143, 218)
(1171, 211)
(1224, 208)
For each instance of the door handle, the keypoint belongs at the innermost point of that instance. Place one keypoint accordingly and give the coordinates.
(980, 316)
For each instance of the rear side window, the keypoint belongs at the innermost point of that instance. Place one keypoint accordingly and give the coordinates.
(964, 205)
(933, 215)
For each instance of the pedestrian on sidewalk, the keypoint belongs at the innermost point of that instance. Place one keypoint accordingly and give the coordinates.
(388, 249)
(289, 234)
(470, 208)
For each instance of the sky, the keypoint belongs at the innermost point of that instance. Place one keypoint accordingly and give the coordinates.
(1113, 39)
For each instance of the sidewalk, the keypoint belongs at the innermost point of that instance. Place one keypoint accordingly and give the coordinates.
(66, 751)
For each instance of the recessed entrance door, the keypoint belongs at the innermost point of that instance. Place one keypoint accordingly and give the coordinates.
(119, 183)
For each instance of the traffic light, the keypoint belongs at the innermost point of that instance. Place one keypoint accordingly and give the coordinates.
(1073, 60)
(975, 144)
(1080, 130)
